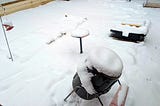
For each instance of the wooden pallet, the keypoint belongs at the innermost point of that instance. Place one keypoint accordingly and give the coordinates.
(152, 5)
(19, 5)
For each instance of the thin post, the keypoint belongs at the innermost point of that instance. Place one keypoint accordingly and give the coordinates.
(81, 50)
(11, 57)
(119, 82)
(69, 95)
(100, 101)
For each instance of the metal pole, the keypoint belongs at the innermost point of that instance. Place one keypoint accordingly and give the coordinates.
(119, 82)
(69, 95)
(74, 89)
(100, 101)
(11, 57)
(81, 50)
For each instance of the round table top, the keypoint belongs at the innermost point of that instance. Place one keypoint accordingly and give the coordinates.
(80, 33)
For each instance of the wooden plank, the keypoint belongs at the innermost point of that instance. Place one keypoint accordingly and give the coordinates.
(21, 5)
(16, 7)
(45, 1)
(12, 2)
(152, 5)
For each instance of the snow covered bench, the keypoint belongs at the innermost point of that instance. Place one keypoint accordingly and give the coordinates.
(131, 30)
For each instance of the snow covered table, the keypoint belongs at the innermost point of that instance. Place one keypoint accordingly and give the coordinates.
(131, 30)
(80, 33)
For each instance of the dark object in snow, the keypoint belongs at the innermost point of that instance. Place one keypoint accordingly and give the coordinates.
(97, 74)
(133, 37)
(53, 40)
(131, 30)
(101, 83)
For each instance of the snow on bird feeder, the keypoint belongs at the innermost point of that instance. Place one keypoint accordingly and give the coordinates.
(130, 30)
(96, 75)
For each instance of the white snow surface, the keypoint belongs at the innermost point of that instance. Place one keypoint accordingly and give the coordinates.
(7, 22)
(69, 23)
(41, 74)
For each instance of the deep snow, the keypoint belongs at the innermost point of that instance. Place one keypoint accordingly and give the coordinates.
(41, 74)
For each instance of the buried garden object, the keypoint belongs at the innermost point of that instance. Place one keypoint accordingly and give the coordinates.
(130, 30)
(97, 74)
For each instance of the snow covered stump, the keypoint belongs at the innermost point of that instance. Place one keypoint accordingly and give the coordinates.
(80, 33)
(96, 75)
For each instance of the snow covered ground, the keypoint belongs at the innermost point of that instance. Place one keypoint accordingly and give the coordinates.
(41, 74)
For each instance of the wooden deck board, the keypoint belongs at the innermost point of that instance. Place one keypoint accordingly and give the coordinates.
(19, 5)
(152, 5)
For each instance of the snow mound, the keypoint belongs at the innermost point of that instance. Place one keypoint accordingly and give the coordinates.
(105, 61)
(70, 23)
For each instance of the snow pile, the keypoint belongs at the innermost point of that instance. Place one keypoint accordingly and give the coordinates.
(105, 61)
(70, 23)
